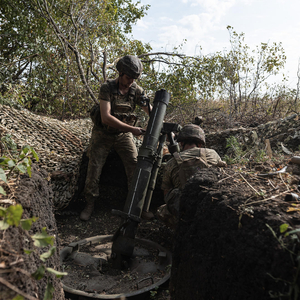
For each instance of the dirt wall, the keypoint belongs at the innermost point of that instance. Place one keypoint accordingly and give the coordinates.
(223, 248)
(34, 195)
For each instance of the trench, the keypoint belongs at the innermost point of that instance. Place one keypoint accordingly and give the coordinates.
(90, 273)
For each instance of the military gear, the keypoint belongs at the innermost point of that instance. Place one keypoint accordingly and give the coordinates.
(171, 176)
(88, 210)
(122, 106)
(188, 167)
(191, 132)
(100, 146)
(130, 65)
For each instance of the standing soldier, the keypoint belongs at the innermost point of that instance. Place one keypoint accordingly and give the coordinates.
(114, 126)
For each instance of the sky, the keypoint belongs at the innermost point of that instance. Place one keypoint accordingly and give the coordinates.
(203, 23)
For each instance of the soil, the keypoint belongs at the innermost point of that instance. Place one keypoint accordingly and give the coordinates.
(227, 244)
(113, 187)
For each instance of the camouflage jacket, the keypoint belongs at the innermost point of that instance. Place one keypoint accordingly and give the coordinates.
(171, 178)
(122, 106)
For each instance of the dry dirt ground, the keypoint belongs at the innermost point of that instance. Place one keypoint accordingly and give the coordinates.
(222, 247)
(113, 187)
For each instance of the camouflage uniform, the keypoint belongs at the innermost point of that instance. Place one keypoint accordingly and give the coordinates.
(171, 172)
(104, 138)
(168, 212)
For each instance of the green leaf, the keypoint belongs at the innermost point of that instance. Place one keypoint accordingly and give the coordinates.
(27, 223)
(49, 292)
(26, 251)
(26, 149)
(57, 273)
(29, 171)
(283, 228)
(14, 214)
(4, 160)
(47, 254)
(2, 175)
(11, 163)
(43, 239)
(39, 273)
(34, 154)
(22, 168)
(26, 161)
(22, 156)
(2, 211)
(3, 225)
(2, 191)
(18, 297)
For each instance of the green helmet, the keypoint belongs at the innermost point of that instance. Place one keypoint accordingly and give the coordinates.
(130, 65)
(191, 132)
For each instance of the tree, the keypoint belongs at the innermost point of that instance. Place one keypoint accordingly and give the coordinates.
(77, 40)
(244, 73)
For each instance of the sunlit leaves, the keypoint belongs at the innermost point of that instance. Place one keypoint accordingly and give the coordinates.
(51, 82)
(11, 216)
(49, 292)
(57, 273)
(42, 239)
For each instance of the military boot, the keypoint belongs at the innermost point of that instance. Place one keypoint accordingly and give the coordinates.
(89, 207)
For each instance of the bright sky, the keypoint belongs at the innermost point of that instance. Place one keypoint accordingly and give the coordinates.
(203, 23)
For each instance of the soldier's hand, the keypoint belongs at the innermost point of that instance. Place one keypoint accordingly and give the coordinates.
(138, 131)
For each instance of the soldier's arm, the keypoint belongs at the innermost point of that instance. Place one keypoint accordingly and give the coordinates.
(110, 120)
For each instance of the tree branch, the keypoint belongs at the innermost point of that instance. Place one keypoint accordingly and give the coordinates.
(73, 48)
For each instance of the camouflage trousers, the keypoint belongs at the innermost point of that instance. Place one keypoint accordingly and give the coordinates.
(168, 213)
(100, 145)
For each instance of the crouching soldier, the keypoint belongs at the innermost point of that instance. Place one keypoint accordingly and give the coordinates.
(182, 167)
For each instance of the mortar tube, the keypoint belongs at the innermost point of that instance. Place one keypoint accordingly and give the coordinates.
(147, 156)
(123, 240)
(154, 173)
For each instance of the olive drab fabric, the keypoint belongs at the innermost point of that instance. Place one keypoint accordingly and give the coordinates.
(122, 106)
(177, 172)
(103, 138)
(130, 65)
(171, 172)
(190, 165)
(100, 145)
(191, 132)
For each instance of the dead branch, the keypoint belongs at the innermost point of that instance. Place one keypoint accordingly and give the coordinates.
(15, 289)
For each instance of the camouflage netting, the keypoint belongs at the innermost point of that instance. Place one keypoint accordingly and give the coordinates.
(284, 132)
(59, 145)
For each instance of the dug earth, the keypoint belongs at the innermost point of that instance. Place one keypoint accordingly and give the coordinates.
(236, 238)
(227, 244)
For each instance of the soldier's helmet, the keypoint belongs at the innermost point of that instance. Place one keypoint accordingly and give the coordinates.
(130, 65)
(191, 132)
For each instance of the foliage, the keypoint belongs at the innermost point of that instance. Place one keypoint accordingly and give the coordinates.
(59, 49)
(289, 241)
(20, 164)
(238, 155)
(14, 160)
(12, 217)
(54, 56)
